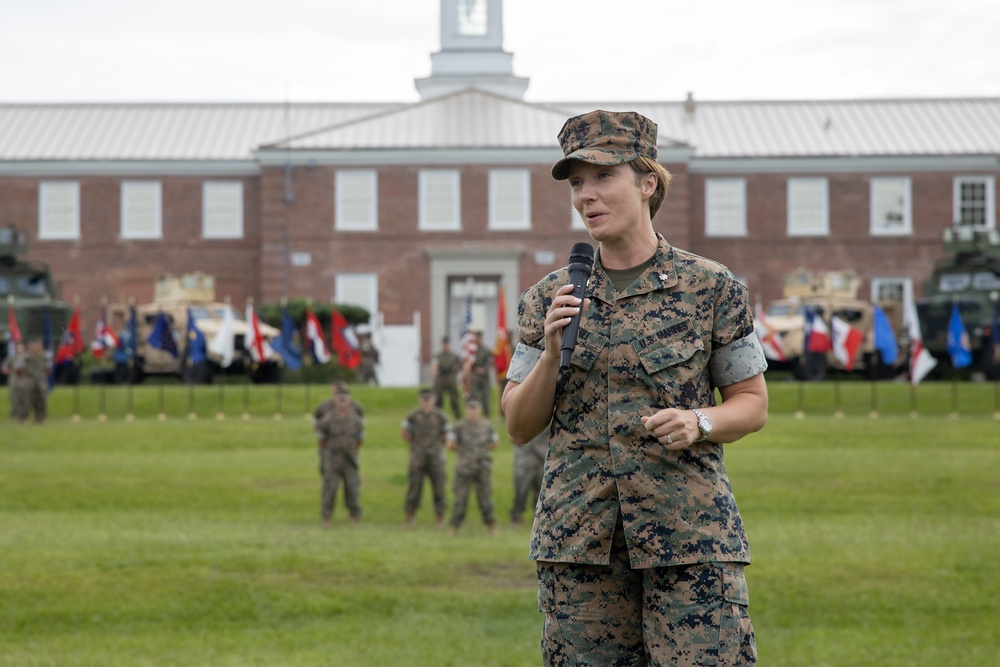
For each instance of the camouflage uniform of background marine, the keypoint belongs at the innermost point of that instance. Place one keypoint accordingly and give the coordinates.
(31, 383)
(479, 380)
(474, 441)
(447, 365)
(19, 383)
(340, 433)
(369, 360)
(659, 343)
(428, 431)
(529, 462)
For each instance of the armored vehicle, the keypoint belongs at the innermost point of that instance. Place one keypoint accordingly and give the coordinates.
(29, 288)
(825, 294)
(175, 297)
(969, 276)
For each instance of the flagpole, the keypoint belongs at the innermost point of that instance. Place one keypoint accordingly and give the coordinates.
(954, 399)
(221, 414)
(104, 305)
(801, 413)
(913, 400)
(131, 360)
(874, 411)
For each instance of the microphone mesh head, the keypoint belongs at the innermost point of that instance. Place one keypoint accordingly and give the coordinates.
(581, 251)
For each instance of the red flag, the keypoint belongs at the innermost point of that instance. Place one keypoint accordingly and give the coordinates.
(344, 341)
(15, 332)
(846, 341)
(71, 343)
(104, 337)
(817, 335)
(501, 349)
(314, 334)
(260, 349)
(770, 340)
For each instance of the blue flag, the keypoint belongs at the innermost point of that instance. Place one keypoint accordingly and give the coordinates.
(162, 337)
(885, 338)
(995, 341)
(958, 340)
(196, 347)
(284, 343)
(125, 352)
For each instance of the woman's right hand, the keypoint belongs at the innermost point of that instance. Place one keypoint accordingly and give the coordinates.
(564, 307)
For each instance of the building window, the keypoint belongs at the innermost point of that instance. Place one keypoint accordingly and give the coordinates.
(510, 199)
(142, 212)
(808, 207)
(356, 201)
(890, 207)
(974, 202)
(725, 207)
(892, 290)
(222, 210)
(358, 289)
(59, 210)
(439, 200)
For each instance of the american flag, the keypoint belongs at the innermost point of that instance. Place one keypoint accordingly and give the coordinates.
(469, 345)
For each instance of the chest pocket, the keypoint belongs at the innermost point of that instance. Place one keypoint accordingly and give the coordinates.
(588, 348)
(681, 350)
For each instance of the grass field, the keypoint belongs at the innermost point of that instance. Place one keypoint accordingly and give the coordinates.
(198, 542)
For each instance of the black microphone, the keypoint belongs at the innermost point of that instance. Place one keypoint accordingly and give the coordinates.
(581, 263)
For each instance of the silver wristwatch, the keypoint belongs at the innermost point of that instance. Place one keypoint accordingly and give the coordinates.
(704, 425)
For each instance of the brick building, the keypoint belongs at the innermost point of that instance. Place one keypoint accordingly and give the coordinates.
(394, 206)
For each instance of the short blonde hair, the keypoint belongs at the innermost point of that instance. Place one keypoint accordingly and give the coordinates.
(644, 165)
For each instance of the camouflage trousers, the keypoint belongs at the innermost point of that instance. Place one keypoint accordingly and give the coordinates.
(336, 468)
(432, 466)
(464, 484)
(448, 390)
(479, 389)
(693, 615)
(527, 482)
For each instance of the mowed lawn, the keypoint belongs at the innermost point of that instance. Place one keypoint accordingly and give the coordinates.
(198, 542)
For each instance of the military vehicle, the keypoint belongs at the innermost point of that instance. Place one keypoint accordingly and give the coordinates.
(175, 296)
(29, 288)
(969, 276)
(825, 294)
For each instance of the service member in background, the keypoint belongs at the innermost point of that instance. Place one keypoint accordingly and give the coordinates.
(31, 382)
(639, 545)
(445, 369)
(474, 438)
(529, 461)
(337, 387)
(426, 429)
(341, 432)
(480, 383)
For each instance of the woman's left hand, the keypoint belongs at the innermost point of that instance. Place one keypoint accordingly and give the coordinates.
(675, 429)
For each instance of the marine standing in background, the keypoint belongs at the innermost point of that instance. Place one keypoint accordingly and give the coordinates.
(529, 462)
(479, 375)
(336, 388)
(18, 383)
(445, 370)
(35, 382)
(426, 429)
(369, 360)
(474, 438)
(341, 432)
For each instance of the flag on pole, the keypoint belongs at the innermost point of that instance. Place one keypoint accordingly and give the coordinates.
(770, 340)
(196, 346)
(344, 341)
(469, 344)
(885, 337)
(13, 331)
(162, 337)
(104, 337)
(125, 352)
(959, 346)
(501, 349)
(223, 343)
(817, 335)
(921, 361)
(260, 349)
(846, 341)
(284, 343)
(71, 341)
(314, 334)
(995, 340)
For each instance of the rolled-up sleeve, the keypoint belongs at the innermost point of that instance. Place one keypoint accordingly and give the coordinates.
(524, 359)
(740, 360)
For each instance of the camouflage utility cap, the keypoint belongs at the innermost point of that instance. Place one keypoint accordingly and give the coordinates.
(605, 137)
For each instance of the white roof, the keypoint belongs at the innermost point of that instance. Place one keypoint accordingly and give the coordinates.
(473, 119)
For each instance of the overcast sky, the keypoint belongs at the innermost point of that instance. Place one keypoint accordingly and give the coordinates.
(372, 50)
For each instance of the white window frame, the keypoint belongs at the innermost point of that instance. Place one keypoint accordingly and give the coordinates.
(716, 210)
(905, 281)
(878, 228)
(509, 189)
(989, 215)
(444, 178)
(344, 295)
(347, 183)
(233, 191)
(131, 189)
(48, 208)
(808, 207)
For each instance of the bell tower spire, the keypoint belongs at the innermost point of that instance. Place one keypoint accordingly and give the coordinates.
(472, 54)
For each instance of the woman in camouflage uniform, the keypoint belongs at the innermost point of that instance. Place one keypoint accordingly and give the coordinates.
(639, 545)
